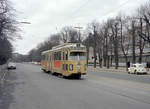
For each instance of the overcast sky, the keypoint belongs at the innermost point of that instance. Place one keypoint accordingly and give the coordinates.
(47, 15)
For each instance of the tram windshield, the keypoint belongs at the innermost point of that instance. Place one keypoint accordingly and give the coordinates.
(77, 56)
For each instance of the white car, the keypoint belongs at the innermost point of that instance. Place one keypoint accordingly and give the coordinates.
(137, 69)
(11, 65)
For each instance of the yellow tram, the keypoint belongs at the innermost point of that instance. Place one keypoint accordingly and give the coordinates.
(68, 59)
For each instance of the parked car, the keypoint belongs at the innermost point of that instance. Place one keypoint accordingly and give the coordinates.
(137, 69)
(11, 65)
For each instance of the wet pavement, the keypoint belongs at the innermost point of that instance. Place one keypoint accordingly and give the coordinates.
(7, 87)
(28, 87)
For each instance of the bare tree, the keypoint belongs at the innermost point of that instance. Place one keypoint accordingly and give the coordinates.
(5, 50)
(69, 34)
(143, 31)
(113, 24)
(8, 29)
(144, 13)
(100, 44)
(55, 39)
(125, 37)
(105, 49)
(87, 42)
(141, 41)
(65, 34)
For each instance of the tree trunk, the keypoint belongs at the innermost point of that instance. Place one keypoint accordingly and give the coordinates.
(104, 56)
(116, 56)
(133, 43)
(140, 46)
(87, 55)
(108, 61)
(116, 47)
(95, 57)
(100, 59)
(140, 57)
(126, 58)
(111, 60)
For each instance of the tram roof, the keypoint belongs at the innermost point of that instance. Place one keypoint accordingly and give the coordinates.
(65, 45)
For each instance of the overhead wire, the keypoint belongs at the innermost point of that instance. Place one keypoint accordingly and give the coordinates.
(85, 3)
(107, 13)
(78, 9)
(113, 10)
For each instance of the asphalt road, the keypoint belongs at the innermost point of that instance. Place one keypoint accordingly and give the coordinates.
(143, 78)
(33, 89)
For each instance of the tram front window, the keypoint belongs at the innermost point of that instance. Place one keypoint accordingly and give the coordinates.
(75, 56)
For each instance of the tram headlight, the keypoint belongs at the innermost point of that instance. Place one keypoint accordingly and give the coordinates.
(71, 67)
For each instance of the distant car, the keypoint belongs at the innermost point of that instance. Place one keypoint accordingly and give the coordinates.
(137, 69)
(11, 65)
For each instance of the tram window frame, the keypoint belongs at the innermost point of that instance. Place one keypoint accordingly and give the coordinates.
(66, 55)
(49, 57)
(53, 57)
(63, 66)
(63, 53)
(66, 67)
(46, 57)
(54, 54)
(57, 55)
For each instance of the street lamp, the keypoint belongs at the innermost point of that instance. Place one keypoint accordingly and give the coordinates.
(25, 22)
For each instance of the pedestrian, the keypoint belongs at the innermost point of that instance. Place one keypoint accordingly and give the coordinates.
(128, 64)
(148, 66)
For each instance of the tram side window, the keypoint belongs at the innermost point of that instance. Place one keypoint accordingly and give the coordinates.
(46, 57)
(43, 57)
(66, 67)
(67, 55)
(49, 57)
(57, 56)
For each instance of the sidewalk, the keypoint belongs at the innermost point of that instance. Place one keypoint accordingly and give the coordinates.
(111, 69)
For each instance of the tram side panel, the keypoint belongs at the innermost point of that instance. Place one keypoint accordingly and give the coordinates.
(43, 62)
